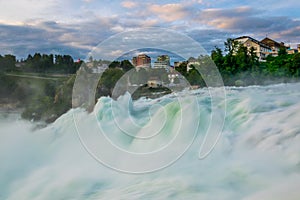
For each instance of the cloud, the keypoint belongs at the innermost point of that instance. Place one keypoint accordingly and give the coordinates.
(169, 12)
(226, 18)
(129, 4)
(19, 11)
(75, 28)
(76, 39)
(198, 1)
(293, 32)
(209, 38)
(246, 20)
(24, 40)
(291, 36)
(53, 37)
(232, 12)
(116, 53)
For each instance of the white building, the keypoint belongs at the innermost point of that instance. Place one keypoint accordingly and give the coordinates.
(260, 48)
(162, 61)
(192, 62)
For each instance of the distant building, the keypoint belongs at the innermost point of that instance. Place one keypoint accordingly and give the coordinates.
(164, 58)
(275, 46)
(291, 51)
(177, 64)
(20, 64)
(180, 64)
(141, 60)
(172, 76)
(154, 82)
(99, 68)
(192, 62)
(261, 49)
(162, 61)
(90, 64)
(298, 47)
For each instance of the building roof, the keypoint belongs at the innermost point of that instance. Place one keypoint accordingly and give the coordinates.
(272, 43)
(253, 40)
(248, 37)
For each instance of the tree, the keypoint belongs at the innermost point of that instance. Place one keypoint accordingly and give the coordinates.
(254, 63)
(7, 85)
(217, 57)
(110, 77)
(126, 65)
(114, 64)
(231, 46)
(296, 64)
(182, 69)
(7, 63)
(58, 59)
(46, 62)
(194, 78)
(242, 59)
(282, 51)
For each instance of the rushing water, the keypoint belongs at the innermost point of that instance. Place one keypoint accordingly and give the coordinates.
(257, 156)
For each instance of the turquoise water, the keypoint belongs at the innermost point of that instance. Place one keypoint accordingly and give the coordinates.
(256, 157)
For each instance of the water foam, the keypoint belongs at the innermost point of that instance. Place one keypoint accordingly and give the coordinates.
(257, 157)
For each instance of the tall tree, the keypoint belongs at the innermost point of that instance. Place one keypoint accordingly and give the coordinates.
(217, 57)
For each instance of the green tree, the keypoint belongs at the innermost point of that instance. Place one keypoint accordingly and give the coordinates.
(126, 65)
(231, 46)
(254, 63)
(242, 59)
(296, 65)
(282, 51)
(110, 77)
(114, 64)
(194, 78)
(217, 57)
(182, 69)
(7, 62)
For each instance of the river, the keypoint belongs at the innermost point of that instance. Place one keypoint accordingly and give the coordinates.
(257, 155)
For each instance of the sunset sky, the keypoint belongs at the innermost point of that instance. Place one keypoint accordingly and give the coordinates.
(76, 26)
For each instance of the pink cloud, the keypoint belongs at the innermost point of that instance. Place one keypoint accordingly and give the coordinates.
(169, 12)
(129, 4)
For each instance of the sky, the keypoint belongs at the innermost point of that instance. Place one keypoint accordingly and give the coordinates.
(75, 27)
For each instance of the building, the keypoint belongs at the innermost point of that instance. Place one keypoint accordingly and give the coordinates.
(192, 62)
(141, 60)
(162, 61)
(177, 64)
(291, 51)
(154, 82)
(261, 49)
(100, 68)
(164, 58)
(172, 76)
(275, 46)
